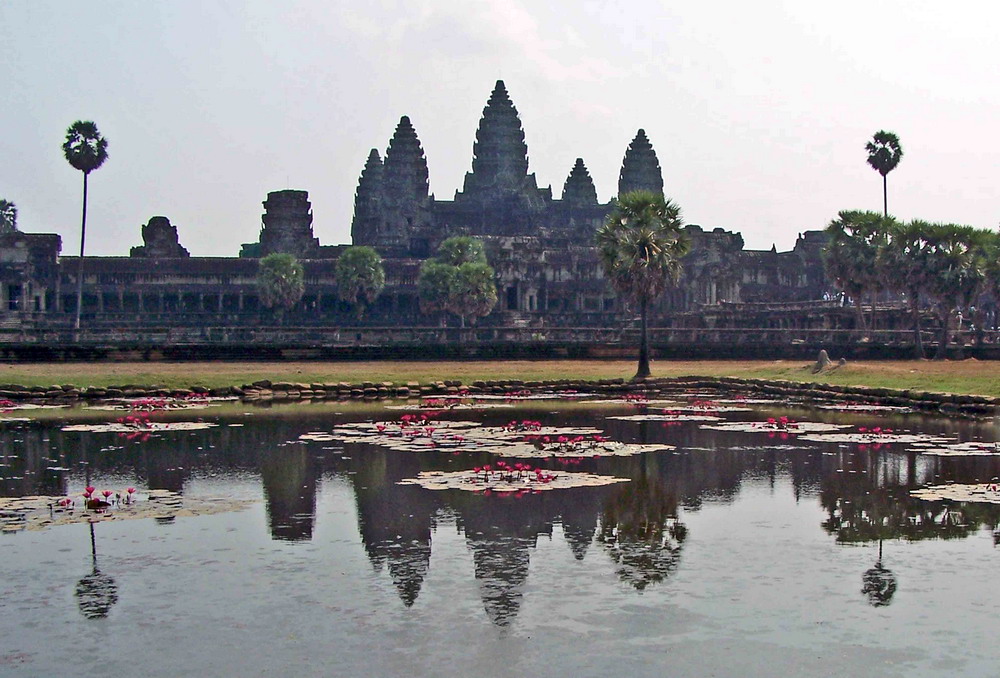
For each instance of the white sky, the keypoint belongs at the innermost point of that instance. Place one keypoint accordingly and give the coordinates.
(758, 111)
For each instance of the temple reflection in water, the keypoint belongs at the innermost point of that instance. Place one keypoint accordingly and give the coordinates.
(638, 528)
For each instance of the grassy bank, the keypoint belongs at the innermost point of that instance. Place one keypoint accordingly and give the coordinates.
(970, 376)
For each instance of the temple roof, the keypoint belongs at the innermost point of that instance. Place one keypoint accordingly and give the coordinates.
(640, 167)
(579, 187)
(405, 174)
(500, 156)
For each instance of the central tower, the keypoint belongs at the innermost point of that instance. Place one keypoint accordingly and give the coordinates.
(499, 180)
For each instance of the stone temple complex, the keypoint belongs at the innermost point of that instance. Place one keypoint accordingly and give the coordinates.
(540, 245)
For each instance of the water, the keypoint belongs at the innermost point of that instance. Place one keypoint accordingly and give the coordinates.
(734, 555)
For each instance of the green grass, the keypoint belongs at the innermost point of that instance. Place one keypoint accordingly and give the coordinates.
(972, 377)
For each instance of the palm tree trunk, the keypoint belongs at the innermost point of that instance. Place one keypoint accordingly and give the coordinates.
(918, 341)
(979, 319)
(79, 272)
(942, 349)
(860, 312)
(885, 196)
(643, 370)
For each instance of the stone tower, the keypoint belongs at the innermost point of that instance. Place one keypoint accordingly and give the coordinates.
(368, 202)
(499, 183)
(404, 189)
(287, 225)
(579, 187)
(159, 240)
(640, 168)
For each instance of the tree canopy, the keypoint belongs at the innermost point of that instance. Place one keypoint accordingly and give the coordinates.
(953, 266)
(640, 247)
(884, 154)
(85, 149)
(8, 216)
(360, 277)
(280, 282)
(458, 280)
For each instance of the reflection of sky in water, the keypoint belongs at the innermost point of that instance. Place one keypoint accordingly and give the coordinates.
(388, 580)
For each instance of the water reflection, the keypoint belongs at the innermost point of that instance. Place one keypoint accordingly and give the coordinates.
(97, 592)
(878, 583)
(641, 532)
(395, 521)
(640, 526)
(289, 475)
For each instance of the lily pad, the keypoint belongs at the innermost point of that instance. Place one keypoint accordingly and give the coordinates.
(986, 493)
(875, 438)
(967, 449)
(501, 483)
(796, 427)
(861, 407)
(589, 449)
(667, 417)
(40, 512)
(146, 427)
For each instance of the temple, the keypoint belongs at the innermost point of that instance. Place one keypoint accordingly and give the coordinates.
(540, 245)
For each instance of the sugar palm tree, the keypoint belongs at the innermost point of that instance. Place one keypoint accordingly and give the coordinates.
(904, 267)
(86, 150)
(851, 255)
(8, 216)
(360, 277)
(956, 273)
(640, 247)
(884, 153)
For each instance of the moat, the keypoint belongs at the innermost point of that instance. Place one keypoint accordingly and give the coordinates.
(702, 534)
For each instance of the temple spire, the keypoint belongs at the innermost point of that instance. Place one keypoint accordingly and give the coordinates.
(579, 187)
(405, 173)
(367, 200)
(500, 156)
(640, 168)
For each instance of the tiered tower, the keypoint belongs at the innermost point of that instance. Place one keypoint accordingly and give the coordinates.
(640, 167)
(405, 188)
(499, 179)
(579, 187)
(287, 225)
(368, 202)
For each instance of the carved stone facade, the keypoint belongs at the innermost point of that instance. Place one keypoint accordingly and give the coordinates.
(541, 247)
(159, 238)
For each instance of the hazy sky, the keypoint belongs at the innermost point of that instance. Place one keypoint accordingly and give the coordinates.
(759, 111)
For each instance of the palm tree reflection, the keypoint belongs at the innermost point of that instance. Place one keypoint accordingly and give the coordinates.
(878, 583)
(641, 532)
(96, 593)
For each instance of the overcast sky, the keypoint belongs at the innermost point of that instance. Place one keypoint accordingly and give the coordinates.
(758, 111)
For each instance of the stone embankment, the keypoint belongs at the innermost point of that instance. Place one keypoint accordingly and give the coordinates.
(265, 390)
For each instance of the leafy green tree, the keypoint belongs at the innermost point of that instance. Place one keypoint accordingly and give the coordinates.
(86, 150)
(640, 247)
(851, 255)
(460, 250)
(884, 154)
(360, 277)
(8, 216)
(434, 285)
(459, 280)
(473, 291)
(956, 273)
(903, 263)
(280, 282)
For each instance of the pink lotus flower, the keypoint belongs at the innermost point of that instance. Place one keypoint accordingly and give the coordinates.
(89, 489)
(106, 493)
